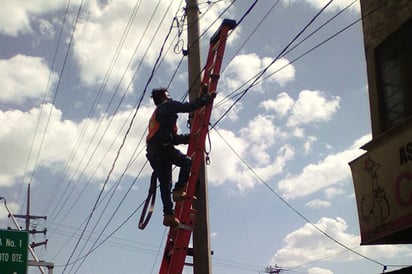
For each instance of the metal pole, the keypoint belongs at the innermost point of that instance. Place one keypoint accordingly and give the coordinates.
(28, 208)
(18, 228)
(201, 241)
(50, 266)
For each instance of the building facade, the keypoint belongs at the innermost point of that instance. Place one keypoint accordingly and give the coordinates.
(383, 175)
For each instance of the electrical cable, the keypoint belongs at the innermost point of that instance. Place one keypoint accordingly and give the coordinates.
(110, 218)
(83, 130)
(115, 211)
(330, 37)
(233, 93)
(113, 193)
(269, 187)
(154, 70)
(247, 12)
(261, 73)
(106, 238)
(93, 108)
(290, 206)
(255, 2)
(57, 88)
(235, 265)
(138, 103)
(102, 160)
(158, 251)
(59, 39)
(72, 232)
(252, 32)
(117, 207)
(117, 108)
(318, 228)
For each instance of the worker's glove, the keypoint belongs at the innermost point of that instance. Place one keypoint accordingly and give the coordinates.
(205, 99)
(181, 139)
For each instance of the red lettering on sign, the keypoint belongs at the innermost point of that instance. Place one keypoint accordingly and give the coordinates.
(404, 177)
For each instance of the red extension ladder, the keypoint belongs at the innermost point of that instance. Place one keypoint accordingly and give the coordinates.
(178, 239)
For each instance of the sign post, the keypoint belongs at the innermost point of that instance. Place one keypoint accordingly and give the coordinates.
(13, 251)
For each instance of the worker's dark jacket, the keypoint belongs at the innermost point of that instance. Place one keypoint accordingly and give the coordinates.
(163, 129)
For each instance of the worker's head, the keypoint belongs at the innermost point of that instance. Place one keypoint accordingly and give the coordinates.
(160, 95)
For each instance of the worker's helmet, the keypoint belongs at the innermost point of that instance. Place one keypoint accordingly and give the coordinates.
(159, 94)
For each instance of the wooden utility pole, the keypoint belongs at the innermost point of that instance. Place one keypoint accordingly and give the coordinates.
(29, 217)
(201, 241)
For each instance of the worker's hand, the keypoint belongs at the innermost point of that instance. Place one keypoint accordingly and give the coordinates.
(204, 99)
(207, 97)
(180, 139)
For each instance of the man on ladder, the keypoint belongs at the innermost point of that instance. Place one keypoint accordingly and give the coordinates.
(161, 151)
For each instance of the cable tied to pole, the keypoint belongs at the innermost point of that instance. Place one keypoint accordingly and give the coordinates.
(178, 48)
(207, 152)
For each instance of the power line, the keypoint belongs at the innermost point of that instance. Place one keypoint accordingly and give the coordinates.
(290, 206)
(129, 127)
(115, 210)
(123, 142)
(105, 239)
(57, 87)
(252, 33)
(95, 103)
(111, 119)
(45, 93)
(118, 106)
(261, 73)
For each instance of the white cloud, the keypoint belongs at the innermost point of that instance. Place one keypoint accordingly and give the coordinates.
(98, 40)
(284, 154)
(312, 106)
(244, 67)
(58, 143)
(24, 77)
(318, 270)
(318, 203)
(281, 106)
(308, 145)
(260, 133)
(335, 5)
(332, 192)
(227, 167)
(241, 69)
(307, 244)
(222, 104)
(281, 72)
(16, 16)
(315, 177)
(3, 211)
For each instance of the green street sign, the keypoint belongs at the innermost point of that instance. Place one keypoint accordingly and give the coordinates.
(13, 251)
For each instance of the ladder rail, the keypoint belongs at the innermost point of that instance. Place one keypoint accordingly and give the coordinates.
(178, 239)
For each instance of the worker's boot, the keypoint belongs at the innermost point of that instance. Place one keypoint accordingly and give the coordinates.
(170, 220)
(179, 195)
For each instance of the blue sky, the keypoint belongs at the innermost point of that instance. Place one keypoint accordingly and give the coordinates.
(279, 159)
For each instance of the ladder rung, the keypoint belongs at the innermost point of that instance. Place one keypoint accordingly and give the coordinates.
(185, 227)
(178, 240)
